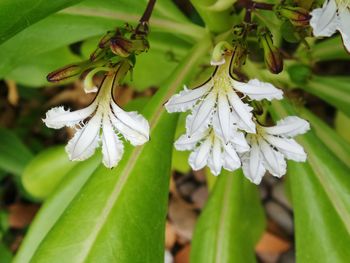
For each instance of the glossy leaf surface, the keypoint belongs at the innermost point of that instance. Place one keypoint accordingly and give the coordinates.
(320, 193)
(45, 171)
(20, 14)
(231, 222)
(14, 155)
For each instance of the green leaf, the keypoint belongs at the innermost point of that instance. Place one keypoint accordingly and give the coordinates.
(299, 73)
(320, 193)
(5, 253)
(329, 49)
(288, 32)
(55, 206)
(334, 90)
(33, 72)
(16, 15)
(339, 146)
(14, 155)
(342, 125)
(231, 222)
(117, 210)
(45, 171)
(321, 235)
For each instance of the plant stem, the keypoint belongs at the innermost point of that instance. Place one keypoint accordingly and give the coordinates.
(148, 12)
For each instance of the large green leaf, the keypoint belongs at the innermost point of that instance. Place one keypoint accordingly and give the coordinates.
(16, 15)
(231, 222)
(55, 206)
(320, 192)
(33, 71)
(45, 171)
(338, 145)
(329, 49)
(119, 214)
(334, 90)
(14, 155)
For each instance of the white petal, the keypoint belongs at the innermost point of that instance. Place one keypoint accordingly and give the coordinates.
(258, 90)
(185, 142)
(252, 164)
(324, 21)
(273, 161)
(85, 140)
(344, 27)
(186, 99)
(239, 142)
(133, 126)
(224, 116)
(288, 147)
(112, 147)
(215, 160)
(231, 159)
(58, 117)
(199, 157)
(200, 117)
(241, 113)
(289, 127)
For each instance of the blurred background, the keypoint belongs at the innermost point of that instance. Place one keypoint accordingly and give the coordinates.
(33, 161)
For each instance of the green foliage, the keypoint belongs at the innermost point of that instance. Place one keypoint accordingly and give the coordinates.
(14, 155)
(44, 173)
(20, 14)
(334, 90)
(230, 224)
(320, 195)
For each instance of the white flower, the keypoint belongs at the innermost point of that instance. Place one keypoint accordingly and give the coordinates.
(209, 149)
(271, 145)
(219, 95)
(334, 15)
(103, 113)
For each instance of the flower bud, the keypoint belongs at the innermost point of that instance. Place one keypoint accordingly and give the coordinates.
(272, 55)
(65, 73)
(298, 16)
(121, 46)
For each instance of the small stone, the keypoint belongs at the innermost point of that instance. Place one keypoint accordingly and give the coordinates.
(168, 257)
(200, 197)
(281, 216)
(279, 194)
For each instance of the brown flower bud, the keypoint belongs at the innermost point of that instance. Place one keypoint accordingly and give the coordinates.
(298, 16)
(65, 73)
(121, 46)
(272, 55)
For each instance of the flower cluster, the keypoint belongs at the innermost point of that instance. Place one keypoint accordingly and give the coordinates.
(334, 15)
(222, 132)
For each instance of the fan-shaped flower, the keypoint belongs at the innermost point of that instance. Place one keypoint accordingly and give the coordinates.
(334, 15)
(99, 122)
(270, 146)
(209, 149)
(220, 95)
